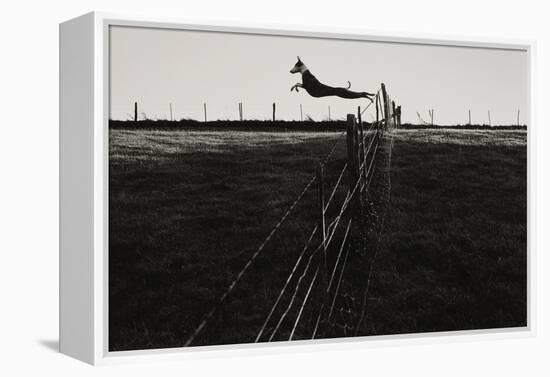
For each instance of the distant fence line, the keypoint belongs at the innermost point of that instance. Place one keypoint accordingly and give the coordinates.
(313, 275)
(241, 116)
(396, 110)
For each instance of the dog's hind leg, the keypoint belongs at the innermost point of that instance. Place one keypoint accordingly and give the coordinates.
(349, 94)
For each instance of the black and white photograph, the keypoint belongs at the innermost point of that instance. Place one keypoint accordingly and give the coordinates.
(274, 188)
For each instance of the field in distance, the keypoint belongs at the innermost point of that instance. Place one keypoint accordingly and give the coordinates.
(188, 207)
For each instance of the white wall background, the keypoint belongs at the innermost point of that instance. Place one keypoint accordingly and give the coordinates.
(29, 185)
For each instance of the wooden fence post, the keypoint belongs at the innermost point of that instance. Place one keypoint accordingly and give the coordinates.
(389, 112)
(386, 104)
(322, 224)
(205, 117)
(135, 112)
(362, 149)
(357, 148)
(377, 99)
(349, 142)
(274, 111)
(301, 114)
(383, 106)
(399, 116)
(518, 117)
(394, 113)
(329, 113)
(362, 143)
(351, 138)
(171, 116)
(489, 116)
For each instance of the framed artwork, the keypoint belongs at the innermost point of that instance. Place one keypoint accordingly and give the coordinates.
(225, 188)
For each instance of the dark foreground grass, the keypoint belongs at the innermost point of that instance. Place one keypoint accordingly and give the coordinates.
(188, 208)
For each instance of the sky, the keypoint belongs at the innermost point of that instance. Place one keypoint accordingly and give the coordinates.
(159, 67)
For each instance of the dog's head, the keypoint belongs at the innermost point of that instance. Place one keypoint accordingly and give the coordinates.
(298, 67)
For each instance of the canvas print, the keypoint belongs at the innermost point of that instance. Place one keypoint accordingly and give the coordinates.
(268, 188)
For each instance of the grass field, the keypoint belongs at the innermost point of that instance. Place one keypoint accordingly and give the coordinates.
(187, 208)
(454, 251)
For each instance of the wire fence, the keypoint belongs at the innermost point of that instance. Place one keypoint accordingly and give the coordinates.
(319, 295)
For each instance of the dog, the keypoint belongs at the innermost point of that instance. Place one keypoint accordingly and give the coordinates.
(317, 89)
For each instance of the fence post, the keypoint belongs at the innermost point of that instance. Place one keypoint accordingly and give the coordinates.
(362, 143)
(349, 142)
(205, 117)
(357, 148)
(361, 160)
(362, 156)
(377, 100)
(329, 113)
(386, 106)
(469, 116)
(301, 114)
(399, 115)
(518, 117)
(489, 115)
(322, 224)
(135, 112)
(351, 137)
(394, 113)
(274, 111)
(171, 116)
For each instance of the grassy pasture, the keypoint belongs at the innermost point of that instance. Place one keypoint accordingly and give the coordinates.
(187, 209)
(454, 251)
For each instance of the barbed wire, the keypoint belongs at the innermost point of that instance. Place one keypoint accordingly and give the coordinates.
(339, 255)
(344, 206)
(293, 298)
(289, 278)
(339, 282)
(303, 304)
(365, 170)
(369, 175)
(377, 248)
(332, 277)
(327, 205)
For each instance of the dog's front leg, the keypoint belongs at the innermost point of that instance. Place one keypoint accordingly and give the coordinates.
(296, 86)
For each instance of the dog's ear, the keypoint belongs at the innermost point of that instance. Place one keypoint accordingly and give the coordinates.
(299, 59)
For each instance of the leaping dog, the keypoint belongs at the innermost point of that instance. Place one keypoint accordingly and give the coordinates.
(315, 88)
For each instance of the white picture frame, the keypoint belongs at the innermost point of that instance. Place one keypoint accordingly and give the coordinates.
(84, 97)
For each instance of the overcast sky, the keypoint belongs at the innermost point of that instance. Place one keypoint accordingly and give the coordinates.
(156, 67)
